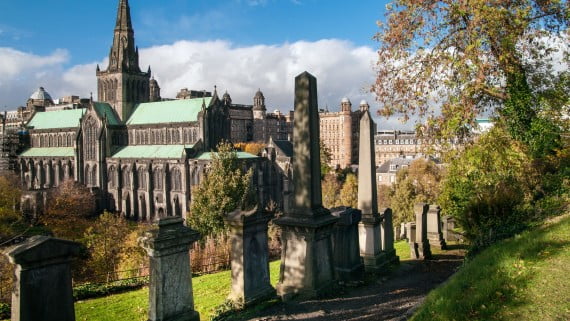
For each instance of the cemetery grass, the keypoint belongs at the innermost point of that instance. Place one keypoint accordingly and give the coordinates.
(522, 278)
(210, 291)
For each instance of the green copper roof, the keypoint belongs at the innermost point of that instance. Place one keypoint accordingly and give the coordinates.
(152, 151)
(105, 110)
(174, 111)
(49, 152)
(240, 155)
(68, 118)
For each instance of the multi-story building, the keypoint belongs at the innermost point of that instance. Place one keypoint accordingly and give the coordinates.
(339, 132)
(392, 144)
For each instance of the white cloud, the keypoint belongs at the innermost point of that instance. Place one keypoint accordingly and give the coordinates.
(342, 70)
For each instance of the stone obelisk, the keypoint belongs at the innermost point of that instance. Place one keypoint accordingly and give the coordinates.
(307, 266)
(369, 227)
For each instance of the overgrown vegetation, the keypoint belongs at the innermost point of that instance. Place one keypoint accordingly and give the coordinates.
(225, 187)
(522, 278)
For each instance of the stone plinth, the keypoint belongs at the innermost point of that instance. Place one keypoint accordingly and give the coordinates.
(422, 241)
(387, 230)
(434, 234)
(249, 256)
(411, 236)
(43, 290)
(170, 289)
(306, 258)
(346, 249)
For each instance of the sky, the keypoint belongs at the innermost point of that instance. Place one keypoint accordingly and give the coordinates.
(237, 45)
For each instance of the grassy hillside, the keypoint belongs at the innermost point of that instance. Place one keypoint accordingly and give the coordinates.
(523, 278)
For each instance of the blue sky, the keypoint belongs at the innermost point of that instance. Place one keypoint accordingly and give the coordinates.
(85, 27)
(238, 45)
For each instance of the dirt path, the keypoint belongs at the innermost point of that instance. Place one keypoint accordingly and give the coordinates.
(388, 298)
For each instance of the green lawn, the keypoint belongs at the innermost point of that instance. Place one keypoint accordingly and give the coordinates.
(209, 291)
(523, 278)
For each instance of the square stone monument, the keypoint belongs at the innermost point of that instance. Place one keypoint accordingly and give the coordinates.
(387, 230)
(411, 236)
(434, 234)
(170, 289)
(369, 228)
(249, 256)
(307, 265)
(347, 262)
(42, 289)
(423, 246)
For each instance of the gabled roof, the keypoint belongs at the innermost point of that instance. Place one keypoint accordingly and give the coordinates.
(152, 151)
(174, 111)
(68, 118)
(105, 110)
(240, 155)
(48, 152)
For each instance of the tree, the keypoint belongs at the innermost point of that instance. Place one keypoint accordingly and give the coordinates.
(326, 157)
(417, 183)
(489, 189)
(384, 194)
(225, 188)
(251, 147)
(330, 190)
(349, 191)
(67, 210)
(472, 56)
(12, 222)
(104, 240)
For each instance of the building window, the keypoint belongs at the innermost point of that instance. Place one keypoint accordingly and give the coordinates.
(90, 139)
(157, 179)
(112, 177)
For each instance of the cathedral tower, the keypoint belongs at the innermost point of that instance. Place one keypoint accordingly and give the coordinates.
(123, 84)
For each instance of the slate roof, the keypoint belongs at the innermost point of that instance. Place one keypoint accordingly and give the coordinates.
(152, 151)
(285, 146)
(49, 152)
(173, 111)
(68, 118)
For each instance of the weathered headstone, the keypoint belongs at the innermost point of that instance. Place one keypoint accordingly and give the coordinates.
(347, 263)
(369, 228)
(249, 256)
(388, 236)
(170, 289)
(397, 232)
(306, 257)
(411, 236)
(43, 290)
(434, 234)
(403, 231)
(422, 242)
(449, 233)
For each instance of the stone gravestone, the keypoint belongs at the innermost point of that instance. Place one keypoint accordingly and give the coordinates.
(249, 256)
(448, 229)
(43, 290)
(306, 257)
(388, 236)
(403, 231)
(422, 242)
(434, 234)
(369, 228)
(411, 236)
(170, 289)
(347, 263)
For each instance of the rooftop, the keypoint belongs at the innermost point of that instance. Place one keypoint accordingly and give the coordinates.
(173, 111)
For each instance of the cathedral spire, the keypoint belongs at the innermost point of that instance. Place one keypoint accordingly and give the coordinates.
(124, 54)
(124, 17)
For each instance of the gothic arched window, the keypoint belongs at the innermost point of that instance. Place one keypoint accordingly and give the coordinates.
(157, 178)
(112, 177)
(126, 177)
(176, 180)
(142, 178)
(90, 139)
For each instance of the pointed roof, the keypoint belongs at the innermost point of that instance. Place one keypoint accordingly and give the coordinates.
(124, 16)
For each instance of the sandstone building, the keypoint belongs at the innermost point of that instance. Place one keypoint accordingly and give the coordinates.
(339, 132)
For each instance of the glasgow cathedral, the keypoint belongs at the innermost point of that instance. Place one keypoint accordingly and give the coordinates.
(141, 153)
